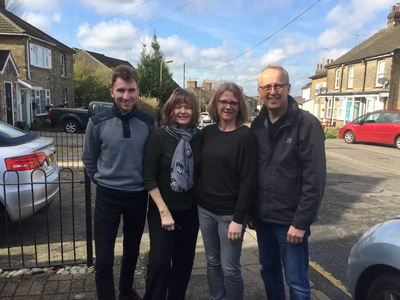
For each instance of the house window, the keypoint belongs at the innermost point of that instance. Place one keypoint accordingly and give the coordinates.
(342, 109)
(317, 88)
(380, 72)
(42, 98)
(329, 108)
(351, 77)
(40, 56)
(337, 78)
(62, 63)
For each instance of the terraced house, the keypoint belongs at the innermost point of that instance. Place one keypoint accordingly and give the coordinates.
(45, 68)
(366, 78)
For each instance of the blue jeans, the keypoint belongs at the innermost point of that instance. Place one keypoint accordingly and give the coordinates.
(224, 274)
(274, 252)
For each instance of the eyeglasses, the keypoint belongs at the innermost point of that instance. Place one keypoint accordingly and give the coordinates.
(224, 103)
(277, 86)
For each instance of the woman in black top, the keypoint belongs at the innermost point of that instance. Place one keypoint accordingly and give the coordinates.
(228, 179)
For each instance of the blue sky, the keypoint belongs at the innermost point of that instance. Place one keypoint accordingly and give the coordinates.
(205, 34)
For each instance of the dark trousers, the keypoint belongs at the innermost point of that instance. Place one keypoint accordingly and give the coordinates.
(107, 216)
(176, 246)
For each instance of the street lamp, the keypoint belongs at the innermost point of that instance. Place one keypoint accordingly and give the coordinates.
(163, 62)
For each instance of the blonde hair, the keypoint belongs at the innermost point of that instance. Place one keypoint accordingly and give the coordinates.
(243, 114)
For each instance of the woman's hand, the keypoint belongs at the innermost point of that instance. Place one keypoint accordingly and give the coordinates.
(167, 222)
(235, 232)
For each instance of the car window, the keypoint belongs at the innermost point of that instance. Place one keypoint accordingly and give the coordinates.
(397, 118)
(358, 120)
(372, 118)
(96, 108)
(388, 117)
(106, 106)
(9, 132)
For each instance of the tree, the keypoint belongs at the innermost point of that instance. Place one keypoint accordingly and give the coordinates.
(149, 73)
(15, 6)
(91, 84)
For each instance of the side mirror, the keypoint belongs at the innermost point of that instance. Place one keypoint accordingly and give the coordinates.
(361, 122)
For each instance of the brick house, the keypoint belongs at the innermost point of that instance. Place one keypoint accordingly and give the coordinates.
(8, 76)
(203, 93)
(45, 68)
(367, 77)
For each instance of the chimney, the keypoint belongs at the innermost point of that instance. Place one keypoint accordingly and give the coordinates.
(331, 61)
(2, 3)
(207, 84)
(192, 83)
(327, 62)
(319, 69)
(393, 19)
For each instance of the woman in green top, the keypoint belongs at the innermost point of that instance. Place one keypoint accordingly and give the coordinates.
(171, 164)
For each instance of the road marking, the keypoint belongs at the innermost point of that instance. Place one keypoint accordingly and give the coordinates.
(363, 164)
(328, 276)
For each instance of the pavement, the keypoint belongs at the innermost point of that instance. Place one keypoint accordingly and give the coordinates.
(60, 287)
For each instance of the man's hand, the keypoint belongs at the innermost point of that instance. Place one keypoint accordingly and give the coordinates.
(250, 223)
(235, 231)
(294, 235)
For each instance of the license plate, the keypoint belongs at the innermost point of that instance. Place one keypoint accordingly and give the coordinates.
(50, 159)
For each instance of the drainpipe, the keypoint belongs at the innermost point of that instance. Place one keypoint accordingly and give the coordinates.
(28, 62)
(365, 73)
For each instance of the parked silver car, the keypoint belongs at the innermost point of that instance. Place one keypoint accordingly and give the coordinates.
(28, 161)
(206, 117)
(374, 263)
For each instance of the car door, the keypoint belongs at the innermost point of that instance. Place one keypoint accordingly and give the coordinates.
(366, 130)
(385, 128)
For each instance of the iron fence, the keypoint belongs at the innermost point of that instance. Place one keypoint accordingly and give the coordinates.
(50, 237)
(69, 147)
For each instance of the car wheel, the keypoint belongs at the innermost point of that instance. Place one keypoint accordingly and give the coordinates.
(384, 287)
(71, 126)
(349, 137)
(397, 142)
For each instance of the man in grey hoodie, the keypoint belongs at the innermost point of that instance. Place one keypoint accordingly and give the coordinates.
(113, 157)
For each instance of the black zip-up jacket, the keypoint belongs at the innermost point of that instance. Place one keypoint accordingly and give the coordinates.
(291, 168)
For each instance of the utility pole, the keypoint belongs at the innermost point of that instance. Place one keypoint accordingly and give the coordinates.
(183, 85)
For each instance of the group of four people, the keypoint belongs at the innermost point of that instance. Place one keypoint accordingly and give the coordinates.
(270, 177)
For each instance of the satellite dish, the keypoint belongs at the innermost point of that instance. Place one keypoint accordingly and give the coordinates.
(323, 90)
(317, 91)
(383, 81)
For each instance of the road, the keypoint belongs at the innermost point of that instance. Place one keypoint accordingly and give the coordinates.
(361, 191)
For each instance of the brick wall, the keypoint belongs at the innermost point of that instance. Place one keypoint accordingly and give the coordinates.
(394, 83)
(17, 46)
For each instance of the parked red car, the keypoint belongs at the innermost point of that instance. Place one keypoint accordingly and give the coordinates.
(381, 126)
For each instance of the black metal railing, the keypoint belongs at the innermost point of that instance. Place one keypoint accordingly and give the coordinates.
(69, 147)
(50, 237)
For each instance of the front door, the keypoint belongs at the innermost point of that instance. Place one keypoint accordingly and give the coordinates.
(9, 106)
(348, 111)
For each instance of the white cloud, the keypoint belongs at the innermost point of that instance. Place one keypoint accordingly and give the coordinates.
(40, 21)
(219, 54)
(56, 17)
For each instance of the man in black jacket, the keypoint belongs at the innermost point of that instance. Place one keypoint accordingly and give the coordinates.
(291, 183)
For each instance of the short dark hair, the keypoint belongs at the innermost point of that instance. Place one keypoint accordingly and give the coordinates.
(243, 113)
(125, 72)
(181, 96)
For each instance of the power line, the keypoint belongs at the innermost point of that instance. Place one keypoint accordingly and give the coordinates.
(148, 25)
(261, 41)
(365, 22)
(108, 18)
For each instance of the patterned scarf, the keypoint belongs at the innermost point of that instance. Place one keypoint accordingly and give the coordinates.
(182, 166)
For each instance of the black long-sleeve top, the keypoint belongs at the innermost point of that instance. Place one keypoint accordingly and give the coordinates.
(228, 171)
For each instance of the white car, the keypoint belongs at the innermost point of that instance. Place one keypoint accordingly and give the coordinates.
(206, 117)
(27, 163)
